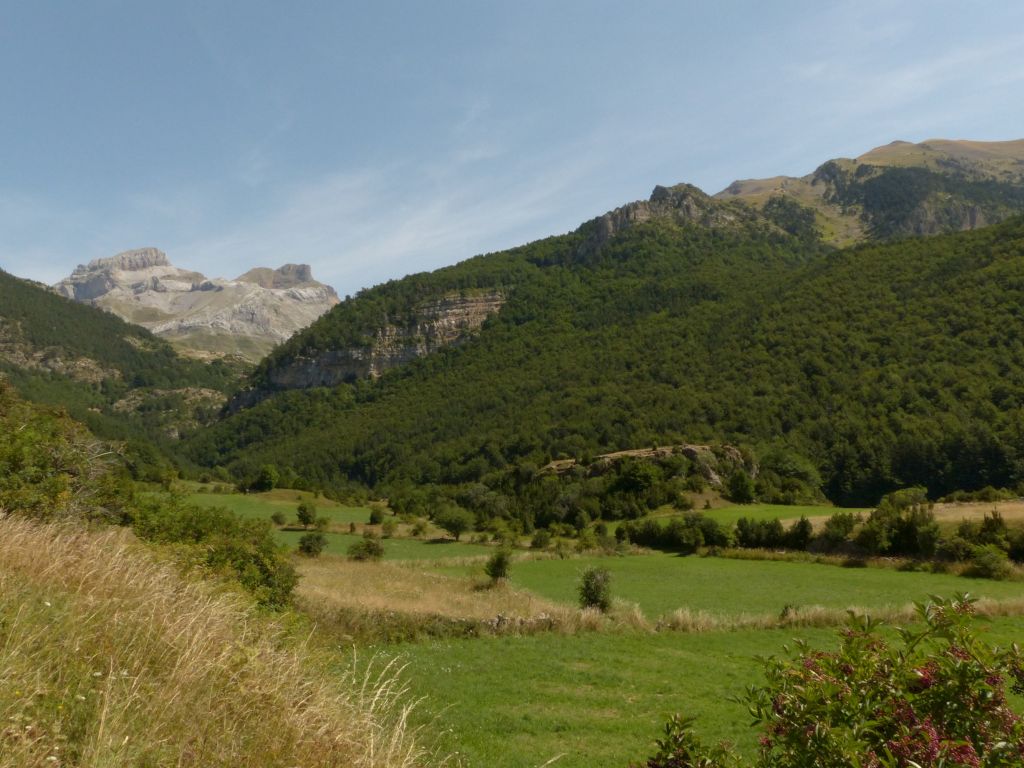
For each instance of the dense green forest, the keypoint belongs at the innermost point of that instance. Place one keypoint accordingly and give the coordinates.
(863, 370)
(120, 380)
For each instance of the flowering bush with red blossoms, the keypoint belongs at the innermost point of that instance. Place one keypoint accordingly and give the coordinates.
(935, 699)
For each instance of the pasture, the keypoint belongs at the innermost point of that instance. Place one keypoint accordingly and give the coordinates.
(597, 700)
(660, 583)
(261, 506)
(590, 693)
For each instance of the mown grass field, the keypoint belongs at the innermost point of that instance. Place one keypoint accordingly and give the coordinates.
(660, 583)
(597, 700)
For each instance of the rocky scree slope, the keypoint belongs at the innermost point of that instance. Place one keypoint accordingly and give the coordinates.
(204, 317)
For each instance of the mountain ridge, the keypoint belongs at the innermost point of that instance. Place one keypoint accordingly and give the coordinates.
(667, 321)
(203, 317)
(948, 185)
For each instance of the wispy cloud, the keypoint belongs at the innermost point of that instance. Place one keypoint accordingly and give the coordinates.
(361, 227)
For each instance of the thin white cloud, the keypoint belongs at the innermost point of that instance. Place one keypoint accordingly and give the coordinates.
(359, 228)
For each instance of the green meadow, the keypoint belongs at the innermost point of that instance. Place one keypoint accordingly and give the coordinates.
(592, 699)
(598, 700)
(660, 583)
(262, 505)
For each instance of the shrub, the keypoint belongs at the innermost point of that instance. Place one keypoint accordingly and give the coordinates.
(221, 541)
(367, 548)
(760, 534)
(903, 524)
(267, 479)
(683, 503)
(376, 516)
(799, 536)
(682, 748)
(838, 528)
(388, 528)
(740, 487)
(419, 528)
(498, 565)
(541, 539)
(322, 523)
(935, 698)
(1016, 544)
(955, 548)
(595, 589)
(312, 544)
(989, 562)
(277, 517)
(306, 513)
(938, 699)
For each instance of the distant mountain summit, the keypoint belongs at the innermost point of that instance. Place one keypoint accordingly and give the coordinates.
(901, 189)
(202, 316)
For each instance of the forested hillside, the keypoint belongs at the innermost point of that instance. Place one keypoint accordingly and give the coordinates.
(883, 365)
(117, 378)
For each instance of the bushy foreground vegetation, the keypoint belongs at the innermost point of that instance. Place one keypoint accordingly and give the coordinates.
(52, 469)
(110, 657)
(938, 699)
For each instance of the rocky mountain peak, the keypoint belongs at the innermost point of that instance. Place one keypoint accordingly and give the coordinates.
(287, 276)
(129, 261)
(200, 315)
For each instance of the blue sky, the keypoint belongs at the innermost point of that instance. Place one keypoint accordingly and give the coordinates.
(376, 139)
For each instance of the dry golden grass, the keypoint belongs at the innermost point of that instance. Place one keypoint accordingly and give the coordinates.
(404, 600)
(330, 581)
(685, 620)
(109, 657)
(1012, 511)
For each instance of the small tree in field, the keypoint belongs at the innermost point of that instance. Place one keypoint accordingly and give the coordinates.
(455, 521)
(306, 513)
(277, 517)
(740, 487)
(498, 565)
(595, 589)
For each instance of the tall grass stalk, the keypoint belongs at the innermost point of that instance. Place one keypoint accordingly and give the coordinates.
(108, 656)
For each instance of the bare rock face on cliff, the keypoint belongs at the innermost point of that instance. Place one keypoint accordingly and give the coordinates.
(246, 316)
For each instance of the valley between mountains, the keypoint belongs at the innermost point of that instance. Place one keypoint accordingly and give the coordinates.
(555, 495)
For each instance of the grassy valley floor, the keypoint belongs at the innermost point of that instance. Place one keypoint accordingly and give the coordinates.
(591, 692)
(598, 700)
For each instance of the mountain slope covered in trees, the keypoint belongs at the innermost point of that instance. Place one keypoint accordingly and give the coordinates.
(117, 378)
(879, 366)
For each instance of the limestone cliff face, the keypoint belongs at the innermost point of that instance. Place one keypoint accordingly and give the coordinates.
(208, 317)
(437, 323)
